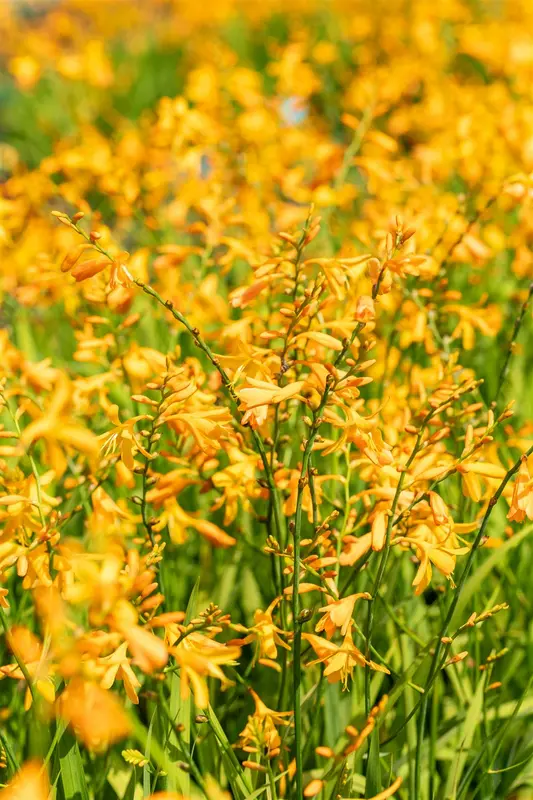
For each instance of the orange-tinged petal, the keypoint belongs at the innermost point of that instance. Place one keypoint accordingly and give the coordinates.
(213, 533)
(95, 714)
(126, 451)
(355, 550)
(485, 468)
(80, 438)
(46, 688)
(39, 429)
(304, 588)
(313, 788)
(88, 269)
(471, 486)
(386, 793)
(364, 310)
(322, 647)
(324, 339)
(199, 687)
(149, 652)
(379, 530)
(442, 560)
(30, 783)
(13, 499)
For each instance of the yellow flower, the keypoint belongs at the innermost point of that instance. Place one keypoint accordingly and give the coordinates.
(56, 428)
(26, 71)
(433, 547)
(179, 520)
(338, 614)
(117, 667)
(123, 438)
(266, 633)
(486, 320)
(364, 310)
(237, 482)
(522, 499)
(199, 657)
(340, 660)
(207, 426)
(258, 395)
(355, 547)
(260, 733)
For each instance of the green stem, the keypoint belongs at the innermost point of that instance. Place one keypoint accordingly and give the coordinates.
(22, 666)
(435, 664)
(516, 330)
(387, 545)
(202, 344)
(296, 527)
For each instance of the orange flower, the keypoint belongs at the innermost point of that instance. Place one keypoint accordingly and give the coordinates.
(261, 732)
(432, 550)
(88, 269)
(379, 530)
(57, 429)
(340, 661)
(338, 614)
(313, 788)
(30, 783)
(258, 395)
(179, 520)
(29, 651)
(470, 470)
(522, 499)
(117, 667)
(386, 793)
(364, 310)
(122, 437)
(200, 657)
(354, 549)
(95, 715)
(207, 426)
(26, 71)
(149, 652)
(267, 635)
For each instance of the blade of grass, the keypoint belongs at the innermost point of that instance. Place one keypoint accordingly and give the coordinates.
(71, 769)
(500, 738)
(146, 769)
(470, 726)
(180, 711)
(373, 772)
(477, 579)
(129, 794)
(236, 775)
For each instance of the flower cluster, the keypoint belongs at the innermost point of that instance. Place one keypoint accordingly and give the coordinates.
(257, 331)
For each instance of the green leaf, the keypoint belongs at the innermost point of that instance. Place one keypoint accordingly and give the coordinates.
(180, 712)
(373, 774)
(237, 777)
(467, 736)
(190, 611)
(71, 769)
(12, 761)
(477, 579)
(108, 793)
(146, 769)
(129, 794)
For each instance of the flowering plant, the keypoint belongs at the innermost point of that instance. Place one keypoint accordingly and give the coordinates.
(265, 429)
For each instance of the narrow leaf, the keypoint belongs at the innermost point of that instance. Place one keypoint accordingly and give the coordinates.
(373, 774)
(71, 769)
